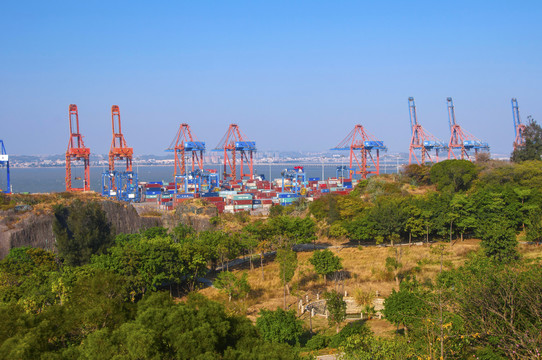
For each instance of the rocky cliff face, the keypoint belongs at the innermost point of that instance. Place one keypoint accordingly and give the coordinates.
(31, 229)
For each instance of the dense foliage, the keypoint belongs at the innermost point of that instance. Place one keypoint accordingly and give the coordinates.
(325, 262)
(113, 297)
(532, 150)
(468, 198)
(81, 230)
(279, 326)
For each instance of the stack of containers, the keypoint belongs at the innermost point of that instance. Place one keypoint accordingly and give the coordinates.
(256, 204)
(170, 187)
(214, 199)
(153, 190)
(286, 199)
(180, 197)
(242, 202)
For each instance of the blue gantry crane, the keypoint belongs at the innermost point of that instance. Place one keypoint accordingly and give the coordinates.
(296, 177)
(4, 162)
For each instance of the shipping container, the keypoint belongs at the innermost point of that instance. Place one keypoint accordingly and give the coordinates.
(242, 197)
(242, 202)
(184, 195)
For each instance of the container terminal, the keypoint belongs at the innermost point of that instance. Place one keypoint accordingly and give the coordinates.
(237, 188)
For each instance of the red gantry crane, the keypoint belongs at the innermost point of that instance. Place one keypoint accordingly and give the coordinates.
(120, 184)
(76, 151)
(119, 149)
(359, 140)
(421, 140)
(183, 143)
(519, 128)
(460, 139)
(235, 144)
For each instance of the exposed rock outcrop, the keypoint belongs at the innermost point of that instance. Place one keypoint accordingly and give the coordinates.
(36, 229)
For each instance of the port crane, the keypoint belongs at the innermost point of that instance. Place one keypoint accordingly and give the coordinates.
(184, 146)
(119, 150)
(297, 179)
(421, 141)
(361, 145)
(122, 184)
(519, 128)
(460, 139)
(4, 162)
(77, 151)
(235, 143)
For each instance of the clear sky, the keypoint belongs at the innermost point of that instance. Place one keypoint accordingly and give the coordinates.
(295, 75)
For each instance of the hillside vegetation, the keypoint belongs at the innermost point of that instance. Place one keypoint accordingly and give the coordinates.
(460, 273)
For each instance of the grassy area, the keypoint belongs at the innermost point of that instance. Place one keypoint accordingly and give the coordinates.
(365, 268)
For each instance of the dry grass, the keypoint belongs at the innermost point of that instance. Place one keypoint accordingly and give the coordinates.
(365, 269)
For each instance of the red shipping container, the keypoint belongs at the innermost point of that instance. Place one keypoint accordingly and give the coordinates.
(267, 201)
(213, 199)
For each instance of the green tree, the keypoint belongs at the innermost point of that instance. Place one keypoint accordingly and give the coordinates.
(152, 264)
(336, 307)
(533, 231)
(279, 326)
(414, 224)
(362, 228)
(181, 232)
(388, 217)
(287, 260)
(249, 241)
(463, 212)
(325, 262)
(501, 304)
(81, 230)
(499, 242)
(369, 347)
(233, 286)
(532, 150)
(453, 175)
(406, 307)
(417, 175)
(288, 230)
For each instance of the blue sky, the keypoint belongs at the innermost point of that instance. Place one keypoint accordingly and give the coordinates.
(295, 75)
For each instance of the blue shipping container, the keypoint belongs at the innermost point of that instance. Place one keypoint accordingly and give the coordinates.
(210, 194)
(256, 202)
(185, 196)
(314, 179)
(287, 195)
(325, 190)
